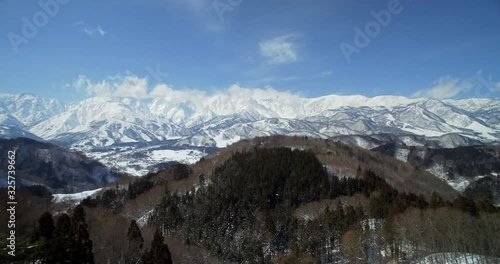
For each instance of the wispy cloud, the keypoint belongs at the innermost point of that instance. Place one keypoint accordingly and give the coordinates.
(202, 13)
(291, 78)
(89, 30)
(94, 31)
(268, 80)
(279, 50)
(323, 74)
(445, 87)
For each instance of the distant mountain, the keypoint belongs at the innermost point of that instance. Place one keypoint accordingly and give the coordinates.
(104, 122)
(471, 170)
(20, 112)
(30, 109)
(221, 119)
(451, 140)
(38, 163)
(10, 127)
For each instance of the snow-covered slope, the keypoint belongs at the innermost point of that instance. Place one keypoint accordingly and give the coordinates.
(30, 109)
(73, 198)
(139, 159)
(221, 119)
(103, 121)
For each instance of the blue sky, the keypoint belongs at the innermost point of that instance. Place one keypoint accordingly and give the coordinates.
(439, 49)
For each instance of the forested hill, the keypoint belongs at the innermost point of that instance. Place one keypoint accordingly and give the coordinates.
(59, 169)
(338, 158)
(250, 211)
(287, 200)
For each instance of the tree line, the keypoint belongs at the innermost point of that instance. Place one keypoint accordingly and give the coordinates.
(246, 212)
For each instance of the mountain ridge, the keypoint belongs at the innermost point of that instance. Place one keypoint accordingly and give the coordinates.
(225, 118)
(59, 169)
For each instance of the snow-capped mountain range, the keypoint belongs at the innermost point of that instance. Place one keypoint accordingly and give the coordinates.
(221, 119)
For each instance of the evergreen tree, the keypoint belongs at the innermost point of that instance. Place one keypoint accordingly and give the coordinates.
(466, 204)
(44, 235)
(61, 243)
(135, 243)
(181, 171)
(130, 191)
(81, 250)
(159, 252)
(45, 226)
(435, 200)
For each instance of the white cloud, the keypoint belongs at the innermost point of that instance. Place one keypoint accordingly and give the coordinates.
(445, 87)
(161, 90)
(323, 74)
(130, 86)
(236, 92)
(135, 87)
(168, 93)
(81, 83)
(102, 89)
(279, 50)
(497, 86)
(94, 31)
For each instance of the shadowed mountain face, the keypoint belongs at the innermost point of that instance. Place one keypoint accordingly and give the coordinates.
(59, 169)
(472, 170)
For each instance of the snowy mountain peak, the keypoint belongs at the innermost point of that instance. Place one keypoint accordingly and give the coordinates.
(223, 118)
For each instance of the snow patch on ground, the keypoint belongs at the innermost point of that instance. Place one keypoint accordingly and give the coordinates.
(402, 154)
(138, 161)
(73, 197)
(340, 172)
(361, 143)
(411, 142)
(297, 147)
(222, 142)
(457, 258)
(186, 156)
(371, 224)
(307, 217)
(143, 220)
(458, 183)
